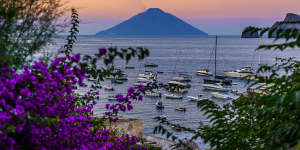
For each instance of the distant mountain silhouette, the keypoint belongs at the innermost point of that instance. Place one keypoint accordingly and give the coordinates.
(153, 21)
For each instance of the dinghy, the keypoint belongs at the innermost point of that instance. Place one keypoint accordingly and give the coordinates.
(180, 107)
(111, 98)
(143, 80)
(219, 95)
(150, 65)
(193, 98)
(176, 83)
(173, 96)
(152, 94)
(129, 67)
(204, 73)
(108, 88)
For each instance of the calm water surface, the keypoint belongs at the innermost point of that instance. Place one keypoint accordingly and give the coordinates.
(175, 55)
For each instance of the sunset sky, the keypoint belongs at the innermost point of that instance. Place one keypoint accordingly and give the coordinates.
(223, 17)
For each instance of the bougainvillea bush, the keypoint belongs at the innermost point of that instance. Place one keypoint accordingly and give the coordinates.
(40, 109)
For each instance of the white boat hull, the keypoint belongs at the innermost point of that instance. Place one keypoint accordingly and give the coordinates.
(173, 96)
(219, 95)
(214, 87)
(233, 74)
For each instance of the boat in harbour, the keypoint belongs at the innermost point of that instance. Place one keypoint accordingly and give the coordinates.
(153, 94)
(111, 98)
(150, 65)
(240, 73)
(129, 67)
(215, 87)
(180, 107)
(108, 88)
(173, 96)
(143, 80)
(176, 83)
(204, 72)
(194, 98)
(182, 79)
(218, 95)
(212, 81)
(217, 78)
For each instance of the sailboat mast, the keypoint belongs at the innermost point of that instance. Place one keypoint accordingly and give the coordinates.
(216, 56)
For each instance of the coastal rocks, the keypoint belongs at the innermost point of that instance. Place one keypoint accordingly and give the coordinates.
(133, 127)
(284, 26)
(166, 144)
(249, 34)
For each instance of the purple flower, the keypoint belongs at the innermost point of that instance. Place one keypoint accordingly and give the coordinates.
(130, 90)
(76, 58)
(140, 98)
(102, 51)
(141, 88)
(107, 106)
(129, 106)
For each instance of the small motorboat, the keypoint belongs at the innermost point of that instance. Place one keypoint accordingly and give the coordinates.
(193, 98)
(116, 81)
(240, 73)
(212, 81)
(176, 128)
(215, 87)
(182, 79)
(150, 65)
(153, 94)
(176, 83)
(173, 96)
(187, 77)
(122, 78)
(204, 73)
(137, 84)
(111, 98)
(129, 67)
(108, 88)
(218, 95)
(179, 79)
(159, 104)
(178, 90)
(143, 80)
(180, 107)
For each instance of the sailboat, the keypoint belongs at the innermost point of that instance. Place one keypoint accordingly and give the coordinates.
(217, 78)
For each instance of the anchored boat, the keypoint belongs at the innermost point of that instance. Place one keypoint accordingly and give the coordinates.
(180, 107)
(215, 87)
(173, 96)
(240, 73)
(153, 94)
(219, 95)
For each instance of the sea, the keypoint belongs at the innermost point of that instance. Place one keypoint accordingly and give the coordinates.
(175, 55)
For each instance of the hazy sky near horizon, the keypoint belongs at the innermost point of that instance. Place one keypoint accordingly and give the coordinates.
(222, 17)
